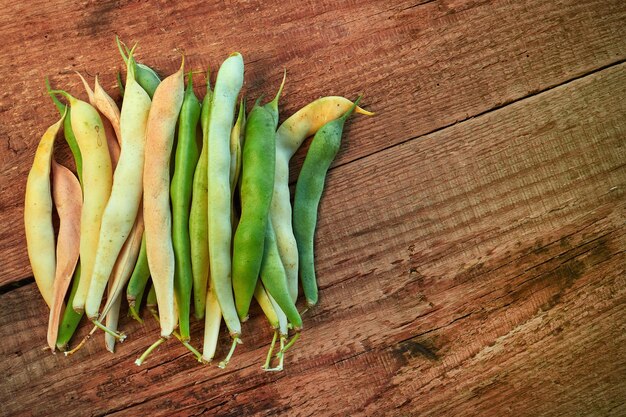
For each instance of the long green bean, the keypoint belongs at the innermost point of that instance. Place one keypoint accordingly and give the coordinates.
(309, 187)
(180, 190)
(198, 222)
(257, 183)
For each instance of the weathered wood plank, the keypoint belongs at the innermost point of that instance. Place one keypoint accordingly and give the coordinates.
(469, 271)
(421, 66)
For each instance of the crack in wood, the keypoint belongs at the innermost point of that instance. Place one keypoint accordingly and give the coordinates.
(493, 109)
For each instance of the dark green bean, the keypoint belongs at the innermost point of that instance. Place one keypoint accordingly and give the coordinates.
(309, 188)
(274, 278)
(120, 84)
(70, 319)
(180, 190)
(257, 185)
(68, 132)
(138, 281)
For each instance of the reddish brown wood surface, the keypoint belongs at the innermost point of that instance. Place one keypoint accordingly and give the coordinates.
(471, 243)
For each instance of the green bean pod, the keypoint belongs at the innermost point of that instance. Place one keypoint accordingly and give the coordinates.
(274, 278)
(198, 222)
(180, 191)
(227, 86)
(309, 188)
(40, 236)
(67, 197)
(236, 144)
(151, 300)
(257, 184)
(68, 133)
(145, 76)
(70, 319)
(138, 281)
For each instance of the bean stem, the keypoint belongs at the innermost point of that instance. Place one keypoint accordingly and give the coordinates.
(223, 363)
(268, 358)
(290, 344)
(148, 351)
(177, 335)
(120, 336)
(82, 342)
(281, 358)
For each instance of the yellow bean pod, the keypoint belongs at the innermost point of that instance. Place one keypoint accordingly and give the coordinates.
(107, 106)
(212, 321)
(110, 121)
(38, 216)
(123, 268)
(121, 210)
(97, 181)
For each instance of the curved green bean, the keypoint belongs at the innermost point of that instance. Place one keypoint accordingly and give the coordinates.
(160, 134)
(289, 136)
(274, 278)
(309, 188)
(68, 133)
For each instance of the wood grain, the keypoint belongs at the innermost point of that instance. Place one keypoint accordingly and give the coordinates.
(476, 270)
(422, 65)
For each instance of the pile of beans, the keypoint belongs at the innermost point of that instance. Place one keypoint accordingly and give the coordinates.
(176, 199)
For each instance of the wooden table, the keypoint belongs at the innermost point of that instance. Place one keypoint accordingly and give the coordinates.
(471, 242)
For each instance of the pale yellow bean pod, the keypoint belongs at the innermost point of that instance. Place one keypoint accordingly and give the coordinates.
(121, 210)
(97, 182)
(38, 216)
